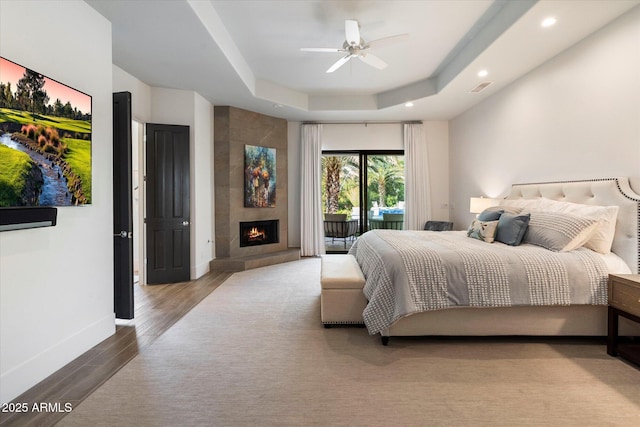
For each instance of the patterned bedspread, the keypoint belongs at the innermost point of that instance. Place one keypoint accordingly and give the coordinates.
(413, 271)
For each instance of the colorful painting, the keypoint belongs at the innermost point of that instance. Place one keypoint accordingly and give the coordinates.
(45, 140)
(260, 177)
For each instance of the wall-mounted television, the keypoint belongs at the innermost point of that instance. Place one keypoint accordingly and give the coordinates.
(45, 140)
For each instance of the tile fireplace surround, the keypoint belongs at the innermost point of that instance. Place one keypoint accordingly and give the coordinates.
(233, 129)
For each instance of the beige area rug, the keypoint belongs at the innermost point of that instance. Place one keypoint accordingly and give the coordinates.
(254, 353)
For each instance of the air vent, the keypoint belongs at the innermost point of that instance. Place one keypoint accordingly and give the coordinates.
(480, 87)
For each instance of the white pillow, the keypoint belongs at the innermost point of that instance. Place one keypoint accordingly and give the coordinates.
(522, 204)
(602, 238)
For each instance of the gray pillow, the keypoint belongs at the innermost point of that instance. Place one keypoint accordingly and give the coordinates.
(511, 228)
(490, 214)
(559, 231)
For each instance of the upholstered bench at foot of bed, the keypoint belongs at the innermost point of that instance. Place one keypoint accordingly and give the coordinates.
(342, 300)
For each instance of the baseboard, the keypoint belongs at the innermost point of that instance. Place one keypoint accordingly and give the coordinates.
(200, 270)
(30, 372)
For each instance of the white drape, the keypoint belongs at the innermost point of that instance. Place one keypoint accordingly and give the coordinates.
(417, 186)
(311, 221)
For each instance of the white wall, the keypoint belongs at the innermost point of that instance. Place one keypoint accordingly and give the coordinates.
(373, 136)
(140, 94)
(56, 283)
(204, 200)
(575, 117)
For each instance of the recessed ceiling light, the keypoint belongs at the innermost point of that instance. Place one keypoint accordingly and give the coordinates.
(408, 104)
(483, 73)
(548, 22)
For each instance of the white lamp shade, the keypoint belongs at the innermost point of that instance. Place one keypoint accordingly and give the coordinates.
(478, 204)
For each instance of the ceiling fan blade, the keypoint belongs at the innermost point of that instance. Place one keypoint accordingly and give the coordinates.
(373, 60)
(339, 63)
(352, 32)
(320, 49)
(386, 40)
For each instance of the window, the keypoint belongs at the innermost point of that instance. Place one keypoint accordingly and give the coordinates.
(385, 191)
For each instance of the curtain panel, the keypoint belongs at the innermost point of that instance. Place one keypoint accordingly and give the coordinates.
(311, 221)
(417, 187)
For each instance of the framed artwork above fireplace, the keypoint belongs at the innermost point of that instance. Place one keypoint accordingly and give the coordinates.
(259, 177)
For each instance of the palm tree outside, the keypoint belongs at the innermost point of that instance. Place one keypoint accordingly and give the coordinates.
(339, 178)
(386, 178)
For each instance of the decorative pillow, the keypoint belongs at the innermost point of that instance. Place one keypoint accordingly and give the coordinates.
(511, 228)
(483, 230)
(490, 214)
(559, 232)
(602, 238)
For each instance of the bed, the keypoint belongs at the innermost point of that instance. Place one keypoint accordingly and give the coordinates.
(486, 289)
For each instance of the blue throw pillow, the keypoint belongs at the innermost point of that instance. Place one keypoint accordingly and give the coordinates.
(490, 214)
(511, 228)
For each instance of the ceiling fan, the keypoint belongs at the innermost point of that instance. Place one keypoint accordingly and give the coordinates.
(355, 46)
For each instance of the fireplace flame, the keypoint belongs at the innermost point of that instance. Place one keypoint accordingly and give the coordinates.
(255, 234)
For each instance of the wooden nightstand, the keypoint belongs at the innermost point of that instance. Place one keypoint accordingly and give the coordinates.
(624, 300)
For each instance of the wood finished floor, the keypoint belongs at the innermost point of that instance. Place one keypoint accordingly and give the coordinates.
(157, 307)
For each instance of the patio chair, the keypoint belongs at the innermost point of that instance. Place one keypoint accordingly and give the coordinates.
(389, 221)
(336, 226)
(438, 225)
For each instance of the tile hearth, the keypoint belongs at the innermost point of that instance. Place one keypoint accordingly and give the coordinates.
(255, 261)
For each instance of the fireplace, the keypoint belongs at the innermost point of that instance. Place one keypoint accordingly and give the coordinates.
(256, 233)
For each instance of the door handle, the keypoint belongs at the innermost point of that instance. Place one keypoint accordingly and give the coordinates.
(124, 234)
(185, 223)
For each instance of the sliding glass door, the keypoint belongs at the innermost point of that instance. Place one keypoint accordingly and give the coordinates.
(344, 195)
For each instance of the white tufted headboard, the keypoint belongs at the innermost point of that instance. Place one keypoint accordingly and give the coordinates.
(603, 192)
